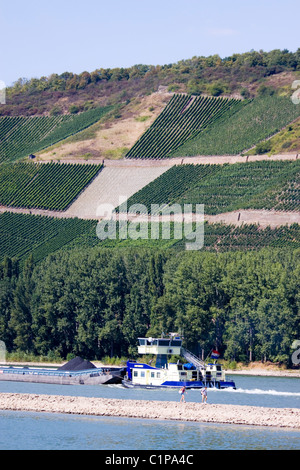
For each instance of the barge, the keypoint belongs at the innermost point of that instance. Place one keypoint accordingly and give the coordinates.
(90, 375)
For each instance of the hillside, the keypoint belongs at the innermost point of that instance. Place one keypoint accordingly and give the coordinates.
(147, 135)
(112, 137)
(286, 141)
(131, 99)
(182, 120)
(251, 124)
(133, 119)
(21, 136)
(236, 76)
(268, 185)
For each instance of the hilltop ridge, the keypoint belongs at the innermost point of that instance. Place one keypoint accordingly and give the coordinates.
(240, 75)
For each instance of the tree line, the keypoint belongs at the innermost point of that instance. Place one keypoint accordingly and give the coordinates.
(281, 59)
(211, 75)
(97, 302)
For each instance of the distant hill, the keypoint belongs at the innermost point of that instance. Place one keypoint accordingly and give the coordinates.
(240, 75)
(64, 101)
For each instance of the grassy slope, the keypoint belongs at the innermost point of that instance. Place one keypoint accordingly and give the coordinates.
(287, 140)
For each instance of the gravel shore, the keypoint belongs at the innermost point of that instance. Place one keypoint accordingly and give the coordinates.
(196, 412)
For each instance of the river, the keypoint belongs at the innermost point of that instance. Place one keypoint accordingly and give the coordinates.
(27, 430)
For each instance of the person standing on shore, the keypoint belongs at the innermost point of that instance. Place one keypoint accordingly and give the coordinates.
(182, 392)
(204, 395)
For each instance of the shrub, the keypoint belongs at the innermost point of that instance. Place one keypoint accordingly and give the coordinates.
(263, 147)
(245, 93)
(56, 111)
(74, 109)
(265, 90)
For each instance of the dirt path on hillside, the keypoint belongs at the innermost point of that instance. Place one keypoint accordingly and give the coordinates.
(197, 160)
(263, 218)
(88, 209)
(45, 213)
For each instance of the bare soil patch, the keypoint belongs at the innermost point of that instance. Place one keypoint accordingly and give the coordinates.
(112, 138)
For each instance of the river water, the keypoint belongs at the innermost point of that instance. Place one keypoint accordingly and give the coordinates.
(27, 430)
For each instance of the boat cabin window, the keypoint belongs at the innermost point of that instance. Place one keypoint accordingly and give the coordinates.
(135, 373)
(159, 342)
(152, 375)
(179, 366)
(163, 342)
(142, 373)
(219, 368)
(158, 375)
(176, 343)
(147, 342)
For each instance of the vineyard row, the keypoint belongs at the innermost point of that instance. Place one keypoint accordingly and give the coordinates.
(50, 186)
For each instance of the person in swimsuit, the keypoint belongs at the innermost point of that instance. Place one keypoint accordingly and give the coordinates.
(204, 395)
(182, 392)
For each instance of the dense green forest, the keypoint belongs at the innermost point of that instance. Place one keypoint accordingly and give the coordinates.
(97, 302)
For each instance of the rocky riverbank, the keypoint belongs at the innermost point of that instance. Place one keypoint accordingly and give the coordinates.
(196, 412)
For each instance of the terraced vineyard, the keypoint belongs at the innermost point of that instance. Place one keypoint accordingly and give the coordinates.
(21, 234)
(220, 237)
(50, 186)
(231, 135)
(182, 119)
(223, 188)
(21, 136)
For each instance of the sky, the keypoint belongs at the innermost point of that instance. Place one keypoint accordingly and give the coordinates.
(40, 38)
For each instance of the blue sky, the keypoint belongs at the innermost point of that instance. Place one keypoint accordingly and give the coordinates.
(40, 38)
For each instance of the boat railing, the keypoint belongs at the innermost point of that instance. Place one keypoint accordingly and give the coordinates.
(52, 373)
(196, 361)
